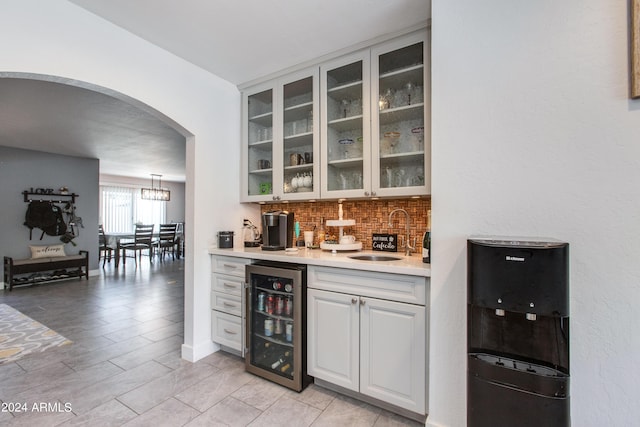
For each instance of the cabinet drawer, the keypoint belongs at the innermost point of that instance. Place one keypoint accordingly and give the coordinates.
(226, 330)
(230, 304)
(229, 265)
(386, 286)
(227, 284)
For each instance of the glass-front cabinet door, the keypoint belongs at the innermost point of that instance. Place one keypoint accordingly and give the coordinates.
(258, 140)
(300, 136)
(345, 136)
(280, 139)
(400, 126)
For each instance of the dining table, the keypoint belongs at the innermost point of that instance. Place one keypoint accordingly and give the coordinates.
(115, 239)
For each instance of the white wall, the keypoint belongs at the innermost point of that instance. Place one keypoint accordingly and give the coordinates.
(59, 39)
(534, 134)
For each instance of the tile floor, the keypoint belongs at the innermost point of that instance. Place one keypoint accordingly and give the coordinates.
(124, 367)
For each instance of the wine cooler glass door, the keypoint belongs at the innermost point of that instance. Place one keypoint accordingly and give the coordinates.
(273, 332)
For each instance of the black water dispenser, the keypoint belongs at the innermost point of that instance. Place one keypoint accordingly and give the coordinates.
(517, 332)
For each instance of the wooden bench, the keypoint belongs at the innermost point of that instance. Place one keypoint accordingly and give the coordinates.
(21, 272)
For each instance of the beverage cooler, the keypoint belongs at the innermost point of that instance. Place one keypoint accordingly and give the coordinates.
(518, 333)
(276, 321)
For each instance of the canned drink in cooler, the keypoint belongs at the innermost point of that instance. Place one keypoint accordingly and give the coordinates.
(288, 306)
(269, 304)
(279, 305)
(277, 329)
(289, 332)
(268, 327)
(261, 298)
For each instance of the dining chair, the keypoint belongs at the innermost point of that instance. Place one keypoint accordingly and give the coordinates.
(142, 240)
(105, 251)
(167, 240)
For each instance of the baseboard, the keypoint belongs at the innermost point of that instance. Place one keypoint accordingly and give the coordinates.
(193, 354)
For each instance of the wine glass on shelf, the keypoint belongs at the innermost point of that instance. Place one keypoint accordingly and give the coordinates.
(409, 88)
(344, 108)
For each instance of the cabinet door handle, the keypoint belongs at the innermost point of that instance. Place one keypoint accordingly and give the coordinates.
(230, 332)
(226, 285)
(354, 300)
(373, 193)
(226, 304)
(362, 302)
(230, 266)
(366, 193)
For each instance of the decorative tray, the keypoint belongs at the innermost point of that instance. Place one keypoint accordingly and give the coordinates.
(341, 246)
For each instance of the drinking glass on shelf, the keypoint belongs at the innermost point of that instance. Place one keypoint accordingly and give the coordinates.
(357, 180)
(344, 181)
(400, 178)
(417, 138)
(310, 121)
(389, 175)
(356, 107)
(399, 98)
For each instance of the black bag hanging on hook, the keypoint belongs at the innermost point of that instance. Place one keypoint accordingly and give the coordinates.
(45, 216)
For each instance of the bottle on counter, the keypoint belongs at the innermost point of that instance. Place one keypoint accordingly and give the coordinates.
(321, 232)
(426, 241)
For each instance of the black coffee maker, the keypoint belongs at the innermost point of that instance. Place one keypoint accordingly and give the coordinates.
(517, 333)
(277, 230)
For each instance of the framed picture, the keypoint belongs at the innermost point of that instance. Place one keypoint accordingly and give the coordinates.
(635, 49)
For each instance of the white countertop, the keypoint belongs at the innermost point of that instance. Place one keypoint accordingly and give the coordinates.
(412, 265)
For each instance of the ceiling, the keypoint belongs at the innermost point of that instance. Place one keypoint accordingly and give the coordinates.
(238, 41)
(63, 119)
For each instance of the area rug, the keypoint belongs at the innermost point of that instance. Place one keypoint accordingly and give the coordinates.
(21, 335)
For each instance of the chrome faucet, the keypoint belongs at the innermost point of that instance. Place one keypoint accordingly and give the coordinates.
(408, 247)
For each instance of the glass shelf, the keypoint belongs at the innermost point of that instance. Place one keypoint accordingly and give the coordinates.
(348, 123)
(402, 114)
(346, 163)
(265, 172)
(351, 90)
(265, 145)
(299, 140)
(301, 168)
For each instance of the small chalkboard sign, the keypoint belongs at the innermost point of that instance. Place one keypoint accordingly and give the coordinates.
(385, 242)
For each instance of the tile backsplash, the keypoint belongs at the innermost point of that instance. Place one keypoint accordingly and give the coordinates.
(372, 216)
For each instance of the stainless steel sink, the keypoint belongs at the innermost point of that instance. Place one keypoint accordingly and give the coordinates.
(375, 257)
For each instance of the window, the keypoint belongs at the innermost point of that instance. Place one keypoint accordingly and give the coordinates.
(122, 207)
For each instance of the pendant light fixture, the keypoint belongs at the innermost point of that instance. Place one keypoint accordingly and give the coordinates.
(155, 193)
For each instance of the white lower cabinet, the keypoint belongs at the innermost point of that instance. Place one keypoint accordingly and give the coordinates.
(392, 353)
(367, 344)
(333, 349)
(227, 314)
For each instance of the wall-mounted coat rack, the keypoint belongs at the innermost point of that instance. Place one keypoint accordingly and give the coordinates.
(30, 196)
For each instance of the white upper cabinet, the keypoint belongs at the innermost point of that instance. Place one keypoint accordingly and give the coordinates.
(345, 123)
(280, 140)
(354, 127)
(375, 128)
(400, 122)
